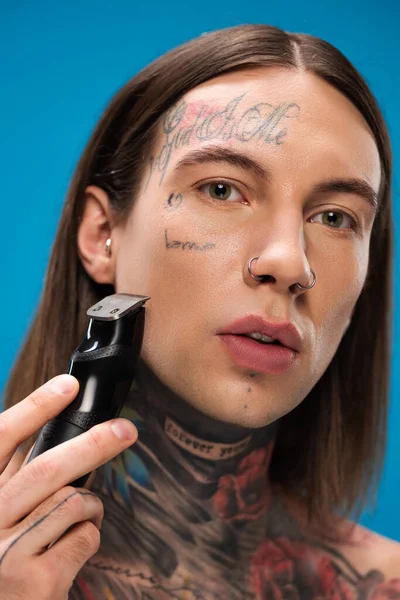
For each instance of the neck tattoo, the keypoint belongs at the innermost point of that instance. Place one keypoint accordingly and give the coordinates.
(202, 448)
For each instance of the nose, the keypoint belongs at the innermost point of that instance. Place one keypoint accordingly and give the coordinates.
(280, 257)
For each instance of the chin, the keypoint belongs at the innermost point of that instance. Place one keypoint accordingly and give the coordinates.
(249, 414)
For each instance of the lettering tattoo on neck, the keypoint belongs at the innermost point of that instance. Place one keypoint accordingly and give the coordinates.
(175, 244)
(197, 446)
(263, 122)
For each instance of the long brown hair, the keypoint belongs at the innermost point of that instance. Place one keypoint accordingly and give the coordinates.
(330, 449)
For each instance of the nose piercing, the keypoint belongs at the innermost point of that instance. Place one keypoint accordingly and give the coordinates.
(262, 277)
(308, 287)
(256, 277)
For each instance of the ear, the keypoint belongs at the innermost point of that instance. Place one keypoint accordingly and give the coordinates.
(95, 228)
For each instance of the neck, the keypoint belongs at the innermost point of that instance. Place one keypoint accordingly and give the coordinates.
(187, 475)
(192, 438)
(189, 513)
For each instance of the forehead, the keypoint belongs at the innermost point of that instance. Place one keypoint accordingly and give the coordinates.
(274, 114)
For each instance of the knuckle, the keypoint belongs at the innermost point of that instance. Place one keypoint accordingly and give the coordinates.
(70, 501)
(89, 537)
(92, 499)
(42, 468)
(67, 491)
(38, 397)
(82, 546)
(96, 440)
(60, 506)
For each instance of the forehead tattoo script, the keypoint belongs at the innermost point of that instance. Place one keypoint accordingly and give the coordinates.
(184, 123)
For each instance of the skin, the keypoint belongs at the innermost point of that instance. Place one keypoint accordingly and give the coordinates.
(189, 252)
(274, 225)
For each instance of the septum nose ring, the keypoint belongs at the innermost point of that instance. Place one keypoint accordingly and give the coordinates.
(262, 277)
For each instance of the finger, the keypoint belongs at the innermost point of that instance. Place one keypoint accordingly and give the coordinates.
(72, 551)
(16, 462)
(19, 460)
(25, 418)
(51, 520)
(58, 467)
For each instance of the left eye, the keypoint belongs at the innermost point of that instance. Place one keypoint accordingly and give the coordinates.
(220, 190)
(334, 219)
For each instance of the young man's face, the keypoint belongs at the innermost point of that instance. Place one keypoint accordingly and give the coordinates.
(202, 215)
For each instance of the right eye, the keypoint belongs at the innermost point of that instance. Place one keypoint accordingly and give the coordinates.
(221, 190)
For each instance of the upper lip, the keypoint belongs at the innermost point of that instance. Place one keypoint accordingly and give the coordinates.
(285, 332)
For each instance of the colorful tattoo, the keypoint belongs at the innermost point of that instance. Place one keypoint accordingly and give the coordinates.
(180, 526)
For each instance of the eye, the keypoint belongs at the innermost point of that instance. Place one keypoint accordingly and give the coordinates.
(335, 218)
(221, 190)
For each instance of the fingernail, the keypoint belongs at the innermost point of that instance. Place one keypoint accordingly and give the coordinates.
(63, 384)
(124, 430)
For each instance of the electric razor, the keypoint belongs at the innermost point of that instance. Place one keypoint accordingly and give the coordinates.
(104, 364)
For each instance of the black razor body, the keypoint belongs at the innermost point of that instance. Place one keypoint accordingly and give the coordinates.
(104, 364)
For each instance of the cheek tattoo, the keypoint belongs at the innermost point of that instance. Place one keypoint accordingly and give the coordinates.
(175, 244)
(261, 121)
(174, 201)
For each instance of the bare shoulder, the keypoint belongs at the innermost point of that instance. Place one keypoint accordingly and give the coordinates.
(366, 550)
(372, 550)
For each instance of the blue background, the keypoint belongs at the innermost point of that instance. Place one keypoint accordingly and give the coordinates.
(60, 65)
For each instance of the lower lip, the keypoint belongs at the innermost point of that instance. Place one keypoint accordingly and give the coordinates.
(264, 358)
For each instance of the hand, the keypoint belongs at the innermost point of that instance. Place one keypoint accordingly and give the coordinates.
(49, 529)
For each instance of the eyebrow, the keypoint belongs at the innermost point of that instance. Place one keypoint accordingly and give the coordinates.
(356, 186)
(216, 154)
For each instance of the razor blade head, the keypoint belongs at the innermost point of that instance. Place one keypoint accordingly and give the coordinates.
(116, 306)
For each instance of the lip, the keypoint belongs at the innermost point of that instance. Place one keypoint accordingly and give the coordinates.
(286, 332)
(262, 358)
